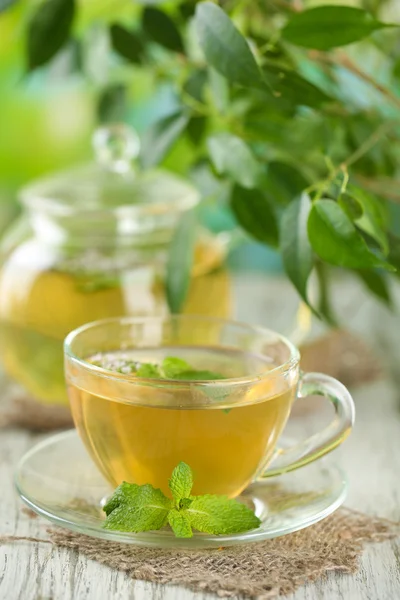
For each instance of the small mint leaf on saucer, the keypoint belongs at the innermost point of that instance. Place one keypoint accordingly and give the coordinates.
(185, 502)
(180, 524)
(143, 508)
(124, 494)
(220, 515)
(136, 508)
(181, 482)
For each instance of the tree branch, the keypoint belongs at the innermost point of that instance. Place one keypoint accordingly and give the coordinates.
(365, 147)
(342, 60)
(384, 186)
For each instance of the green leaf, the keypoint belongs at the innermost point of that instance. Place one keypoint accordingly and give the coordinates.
(289, 85)
(160, 138)
(172, 366)
(124, 494)
(283, 182)
(180, 523)
(161, 29)
(5, 4)
(196, 129)
(180, 261)
(373, 220)
(335, 239)
(297, 254)
(48, 30)
(377, 284)
(149, 371)
(142, 509)
(224, 47)
(181, 482)
(112, 105)
(351, 207)
(126, 43)
(219, 90)
(185, 502)
(253, 212)
(324, 307)
(195, 83)
(394, 252)
(187, 8)
(219, 515)
(230, 155)
(326, 27)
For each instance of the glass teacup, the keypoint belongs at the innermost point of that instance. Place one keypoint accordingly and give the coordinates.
(138, 429)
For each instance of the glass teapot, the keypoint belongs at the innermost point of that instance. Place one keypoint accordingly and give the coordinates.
(91, 243)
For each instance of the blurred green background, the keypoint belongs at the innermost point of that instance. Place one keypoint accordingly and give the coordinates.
(47, 116)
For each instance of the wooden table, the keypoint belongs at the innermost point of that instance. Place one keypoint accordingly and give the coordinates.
(371, 457)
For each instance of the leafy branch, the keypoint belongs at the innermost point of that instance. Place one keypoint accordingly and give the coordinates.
(365, 147)
(303, 166)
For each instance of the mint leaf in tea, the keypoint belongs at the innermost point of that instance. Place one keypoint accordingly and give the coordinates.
(138, 508)
(171, 367)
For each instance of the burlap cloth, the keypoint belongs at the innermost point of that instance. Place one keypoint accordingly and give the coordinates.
(338, 353)
(259, 570)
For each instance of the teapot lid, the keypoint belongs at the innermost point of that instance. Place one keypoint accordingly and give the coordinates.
(112, 183)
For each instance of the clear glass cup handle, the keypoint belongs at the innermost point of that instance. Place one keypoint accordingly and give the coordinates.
(319, 444)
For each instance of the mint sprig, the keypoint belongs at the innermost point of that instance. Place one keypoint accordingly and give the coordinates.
(139, 508)
(173, 367)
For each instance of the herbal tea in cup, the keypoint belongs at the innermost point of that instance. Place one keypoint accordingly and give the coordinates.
(144, 398)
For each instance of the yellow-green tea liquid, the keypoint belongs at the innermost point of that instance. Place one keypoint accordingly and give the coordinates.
(142, 444)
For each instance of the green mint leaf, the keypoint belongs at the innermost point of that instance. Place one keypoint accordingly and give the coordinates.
(137, 508)
(180, 524)
(181, 482)
(124, 494)
(172, 367)
(185, 502)
(149, 371)
(220, 515)
(194, 375)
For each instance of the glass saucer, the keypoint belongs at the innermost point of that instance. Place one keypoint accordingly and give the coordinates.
(58, 480)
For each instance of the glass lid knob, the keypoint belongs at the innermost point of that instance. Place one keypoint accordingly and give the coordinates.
(116, 147)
